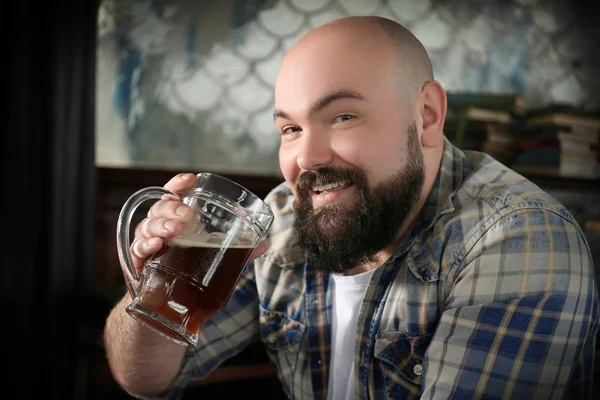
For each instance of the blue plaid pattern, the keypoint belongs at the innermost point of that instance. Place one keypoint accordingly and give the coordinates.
(491, 296)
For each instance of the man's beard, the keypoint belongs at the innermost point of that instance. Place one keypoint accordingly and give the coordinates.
(336, 239)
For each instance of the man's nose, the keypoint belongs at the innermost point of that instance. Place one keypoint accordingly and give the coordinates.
(315, 151)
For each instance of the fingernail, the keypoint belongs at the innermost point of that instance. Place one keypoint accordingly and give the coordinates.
(170, 225)
(182, 210)
(153, 242)
(184, 176)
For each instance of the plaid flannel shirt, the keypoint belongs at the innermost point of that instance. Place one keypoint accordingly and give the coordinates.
(492, 295)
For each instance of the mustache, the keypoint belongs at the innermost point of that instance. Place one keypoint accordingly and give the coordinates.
(327, 175)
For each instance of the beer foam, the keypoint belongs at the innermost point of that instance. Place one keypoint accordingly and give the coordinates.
(208, 241)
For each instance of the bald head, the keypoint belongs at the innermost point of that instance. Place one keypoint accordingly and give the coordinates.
(412, 58)
(356, 98)
(380, 44)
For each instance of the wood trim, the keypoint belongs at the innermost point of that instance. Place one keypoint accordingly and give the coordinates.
(108, 177)
(579, 184)
(234, 373)
(142, 177)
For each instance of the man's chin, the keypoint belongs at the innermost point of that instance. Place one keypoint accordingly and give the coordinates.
(342, 206)
(331, 222)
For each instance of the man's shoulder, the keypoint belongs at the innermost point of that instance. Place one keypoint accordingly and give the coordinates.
(492, 185)
(489, 194)
(282, 242)
(280, 198)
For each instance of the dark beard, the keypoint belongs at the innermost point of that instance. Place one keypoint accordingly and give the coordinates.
(336, 239)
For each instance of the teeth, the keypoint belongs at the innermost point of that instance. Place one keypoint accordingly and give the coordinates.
(328, 186)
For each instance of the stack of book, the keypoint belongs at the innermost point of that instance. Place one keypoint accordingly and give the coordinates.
(484, 121)
(579, 155)
(559, 141)
(500, 142)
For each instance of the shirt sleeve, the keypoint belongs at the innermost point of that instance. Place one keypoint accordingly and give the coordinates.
(521, 317)
(223, 336)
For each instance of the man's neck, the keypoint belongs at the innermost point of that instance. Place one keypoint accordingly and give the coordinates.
(385, 254)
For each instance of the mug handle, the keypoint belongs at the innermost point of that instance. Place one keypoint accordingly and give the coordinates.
(123, 225)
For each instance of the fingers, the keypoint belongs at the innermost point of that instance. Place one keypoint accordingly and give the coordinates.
(172, 209)
(260, 250)
(180, 183)
(165, 220)
(141, 249)
(158, 227)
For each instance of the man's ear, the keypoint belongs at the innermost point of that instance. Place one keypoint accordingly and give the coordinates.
(433, 113)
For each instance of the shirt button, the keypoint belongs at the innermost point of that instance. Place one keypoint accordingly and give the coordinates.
(272, 338)
(418, 369)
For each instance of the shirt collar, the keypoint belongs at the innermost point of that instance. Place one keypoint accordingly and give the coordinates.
(449, 179)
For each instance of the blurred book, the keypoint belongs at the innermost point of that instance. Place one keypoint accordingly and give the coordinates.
(579, 155)
(471, 115)
(499, 142)
(563, 115)
(561, 141)
(554, 140)
(591, 225)
(537, 154)
(510, 102)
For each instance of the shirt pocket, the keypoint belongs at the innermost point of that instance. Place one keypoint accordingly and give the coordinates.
(399, 357)
(283, 338)
(279, 332)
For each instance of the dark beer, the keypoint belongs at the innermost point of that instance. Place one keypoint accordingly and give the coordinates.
(187, 282)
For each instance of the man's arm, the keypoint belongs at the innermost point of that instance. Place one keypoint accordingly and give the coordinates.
(141, 361)
(149, 366)
(144, 363)
(522, 315)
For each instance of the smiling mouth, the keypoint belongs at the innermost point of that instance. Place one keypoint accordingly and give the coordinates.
(335, 186)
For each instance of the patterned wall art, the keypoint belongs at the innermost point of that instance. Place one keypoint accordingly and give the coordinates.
(188, 85)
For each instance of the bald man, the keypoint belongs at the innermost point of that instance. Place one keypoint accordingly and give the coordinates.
(398, 266)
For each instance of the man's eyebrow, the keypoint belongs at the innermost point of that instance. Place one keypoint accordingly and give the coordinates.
(280, 114)
(325, 101)
(335, 96)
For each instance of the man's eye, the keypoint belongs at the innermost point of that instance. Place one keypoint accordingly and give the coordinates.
(287, 130)
(343, 118)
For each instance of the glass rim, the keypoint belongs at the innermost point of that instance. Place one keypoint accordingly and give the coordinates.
(261, 218)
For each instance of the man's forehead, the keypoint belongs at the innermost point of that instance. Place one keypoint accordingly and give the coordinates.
(314, 80)
(304, 92)
(319, 102)
(334, 52)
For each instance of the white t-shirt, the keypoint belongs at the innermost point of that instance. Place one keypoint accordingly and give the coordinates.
(348, 293)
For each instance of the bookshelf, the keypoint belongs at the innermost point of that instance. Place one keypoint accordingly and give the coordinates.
(557, 140)
(562, 182)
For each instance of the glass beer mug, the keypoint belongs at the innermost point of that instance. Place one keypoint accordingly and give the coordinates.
(192, 276)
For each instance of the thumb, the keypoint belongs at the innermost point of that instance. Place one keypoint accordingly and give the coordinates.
(260, 250)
